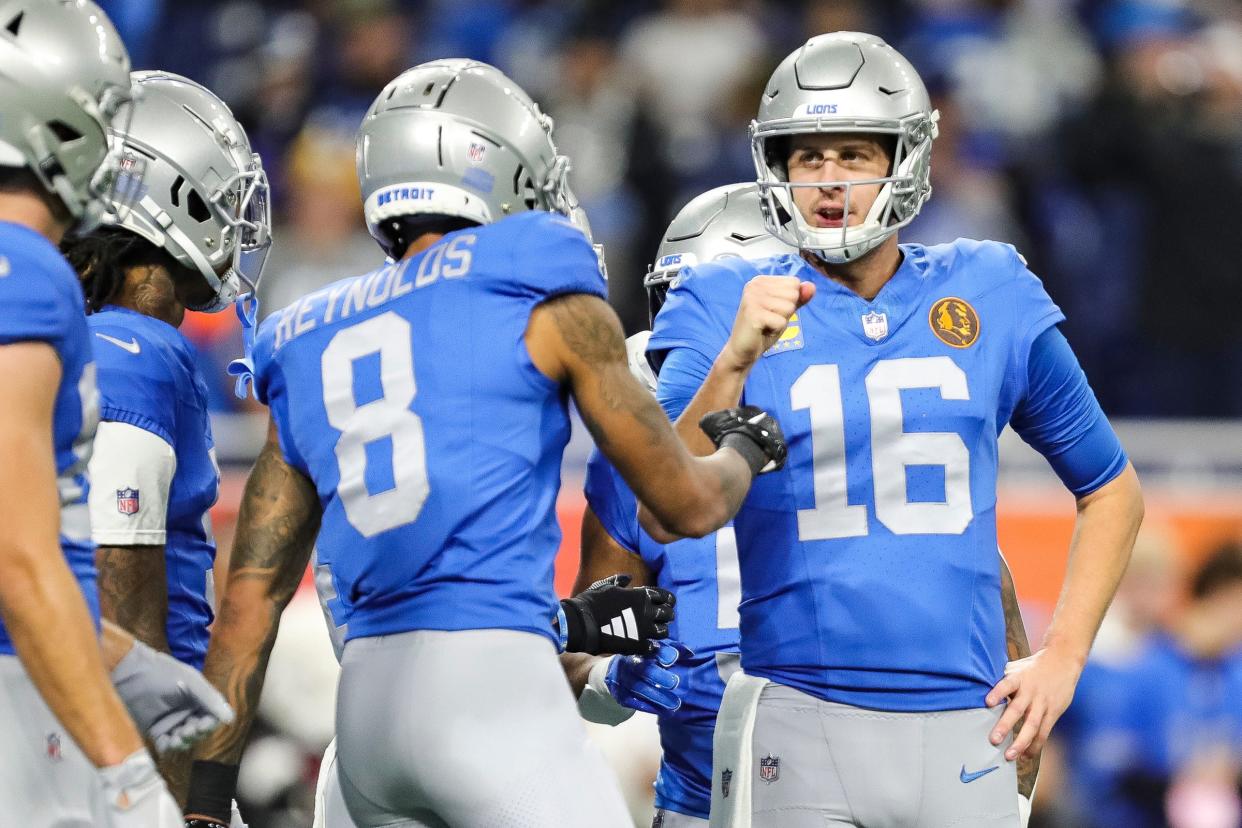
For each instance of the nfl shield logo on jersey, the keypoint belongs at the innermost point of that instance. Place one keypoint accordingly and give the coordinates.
(875, 325)
(53, 748)
(726, 776)
(770, 768)
(127, 501)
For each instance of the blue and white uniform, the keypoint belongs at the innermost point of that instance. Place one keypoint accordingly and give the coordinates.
(43, 773)
(154, 468)
(703, 574)
(869, 566)
(408, 398)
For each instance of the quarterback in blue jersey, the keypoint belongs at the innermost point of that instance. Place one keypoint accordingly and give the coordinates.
(69, 753)
(872, 633)
(419, 413)
(195, 239)
(724, 223)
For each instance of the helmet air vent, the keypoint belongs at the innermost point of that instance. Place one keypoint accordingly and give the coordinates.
(175, 192)
(63, 131)
(196, 207)
(15, 24)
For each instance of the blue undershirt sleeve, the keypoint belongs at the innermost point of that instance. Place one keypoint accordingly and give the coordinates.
(1061, 419)
(681, 376)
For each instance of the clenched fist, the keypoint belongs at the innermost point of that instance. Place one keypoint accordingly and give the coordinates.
(767, 303)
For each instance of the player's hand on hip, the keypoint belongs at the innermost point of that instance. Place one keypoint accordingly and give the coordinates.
(646, 683)
(135, 796)
(1039, 688)
(610, 617)
(767, 303)
(170, 701)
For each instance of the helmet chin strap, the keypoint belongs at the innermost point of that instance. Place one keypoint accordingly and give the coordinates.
(842, 249)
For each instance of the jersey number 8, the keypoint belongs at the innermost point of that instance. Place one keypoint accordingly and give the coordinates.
(387, 418)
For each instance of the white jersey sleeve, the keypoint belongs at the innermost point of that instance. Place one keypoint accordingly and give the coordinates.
(131, 472)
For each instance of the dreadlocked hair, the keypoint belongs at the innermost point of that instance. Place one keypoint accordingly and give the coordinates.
(101, 259)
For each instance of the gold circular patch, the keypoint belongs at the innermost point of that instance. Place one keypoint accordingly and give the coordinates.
(954, 322)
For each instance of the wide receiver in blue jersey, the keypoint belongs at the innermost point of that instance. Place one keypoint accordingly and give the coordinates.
(419, 413)
(69, 753)
(194, 239)
(872, 635)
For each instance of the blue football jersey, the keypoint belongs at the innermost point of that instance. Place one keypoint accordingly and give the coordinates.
(149, 378)
(41, 301)
(703, 574)
(870, 572)
(408, 397)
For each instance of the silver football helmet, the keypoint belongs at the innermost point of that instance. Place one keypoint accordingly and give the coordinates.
(723, 223)
(456, 138)
(844, 82)
(204, 197)
(64, 83)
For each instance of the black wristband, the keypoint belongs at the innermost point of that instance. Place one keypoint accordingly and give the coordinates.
(578, 636)
(748, 448)
(212, 787)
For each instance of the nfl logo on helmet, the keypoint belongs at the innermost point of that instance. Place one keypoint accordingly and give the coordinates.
(127, 501)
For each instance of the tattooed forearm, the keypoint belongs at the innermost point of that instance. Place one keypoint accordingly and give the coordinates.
(277, 525)
(1017, 646)
(593, 334)
(133, 592)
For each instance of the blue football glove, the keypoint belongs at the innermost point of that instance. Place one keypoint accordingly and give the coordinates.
(619, 685)
(644, 682)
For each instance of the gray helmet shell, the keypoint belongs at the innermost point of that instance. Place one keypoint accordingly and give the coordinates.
(204, 196)
(456, 138)
(845, 82)
(64, 81)
(723, 223)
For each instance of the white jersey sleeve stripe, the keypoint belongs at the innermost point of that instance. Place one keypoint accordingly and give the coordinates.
(131, 473)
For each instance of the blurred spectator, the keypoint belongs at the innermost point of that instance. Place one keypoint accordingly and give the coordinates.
(970, 196)
(1161, 148)
(1154, 736)
(323, 238)
(594, 112)
(1101, 736)
(370, 44)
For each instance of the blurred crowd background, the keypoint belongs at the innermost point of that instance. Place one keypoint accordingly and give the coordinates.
(1102, 137)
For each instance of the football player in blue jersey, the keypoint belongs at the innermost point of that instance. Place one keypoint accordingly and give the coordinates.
(195, 238)
(702, 573)
(70, 754)
(872, 632)
(419, 413)
(722, 223)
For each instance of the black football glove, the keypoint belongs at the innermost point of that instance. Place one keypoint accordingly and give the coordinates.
(608, 617)
(752, 432)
